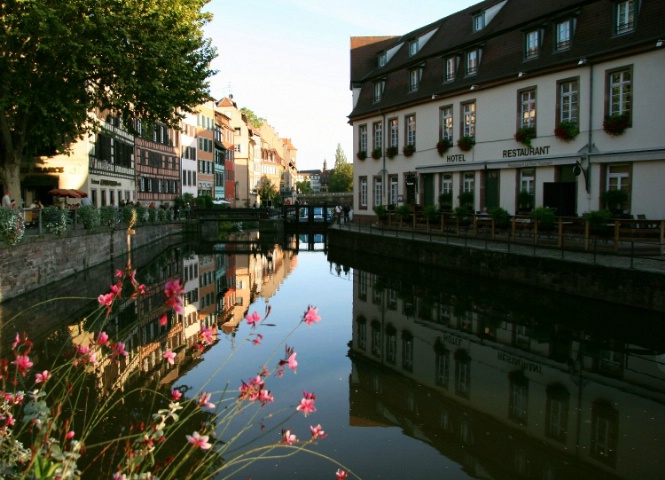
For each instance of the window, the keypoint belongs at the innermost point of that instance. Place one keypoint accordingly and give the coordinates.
(378, 135)
(413, 47)
(442, 369)
(472, 61)
(378, 90)
(393, 183)
(407, 351)
(411, 130)
(532, 44)
(393, 125)
(378, 191)
(446, 123)
(618, 177)
(478, 21)
(620, 92)
(528, 108)
(568, 101)
(469, 119)
(391, 348)
(624, 14)
(382, 59)
(451, 68)
(519, 397)
(604, 432)
(468, 182)
(415, 76)
(363, 192)
(462, 374)
(362, 138)
(563, 35)
(447, 183)
(528, 180)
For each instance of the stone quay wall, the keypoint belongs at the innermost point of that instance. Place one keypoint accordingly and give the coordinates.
(40, 260)
(635, 288)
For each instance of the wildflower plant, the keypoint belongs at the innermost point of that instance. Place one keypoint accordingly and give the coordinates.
(12, 226)
(56, 220)
(54, 422)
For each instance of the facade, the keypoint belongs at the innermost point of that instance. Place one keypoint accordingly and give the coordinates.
(205, 148)
(562, 100)
(313, 177)
(157, 165)
(188, 149)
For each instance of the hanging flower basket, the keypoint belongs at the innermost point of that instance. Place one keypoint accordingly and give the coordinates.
(391, 152)
(362, 155)
(408, 150)
(466, 143)
(525, 135)
(566, 131)
(443, 145)
(376, 153)
(616, 124)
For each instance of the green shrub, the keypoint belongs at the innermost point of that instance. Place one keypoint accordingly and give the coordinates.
(109, 216)
(381, 211)
(404, 211)
(55, 220)
(152, 215)
(500, 216)
(90, 216)
(544, 216)
(598, 219)
(430, 212)
(12, 226)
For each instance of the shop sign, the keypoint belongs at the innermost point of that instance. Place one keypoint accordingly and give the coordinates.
(455, 158)
(526, 152)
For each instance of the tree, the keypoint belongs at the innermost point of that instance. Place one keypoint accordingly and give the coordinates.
(341, 178)
(304, 187)
(60, 62)
(252, 118)
(267, 191)
(340, 157)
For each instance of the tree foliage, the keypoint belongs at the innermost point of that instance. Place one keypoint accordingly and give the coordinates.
(62, 61)
(341, 178)
(267, 191)
(252, 117)
(304, 187)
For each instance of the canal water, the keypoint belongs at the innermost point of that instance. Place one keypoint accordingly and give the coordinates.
(417, 374)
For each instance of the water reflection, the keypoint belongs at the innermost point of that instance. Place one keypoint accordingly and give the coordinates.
(505, 381)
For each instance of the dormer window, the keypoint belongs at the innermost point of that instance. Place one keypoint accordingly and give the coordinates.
(478, 21)
(415, 76)
(472, 61)
(413, 47)
(451, 68)
(563, 35)
(382, 59)
(624, 15)
(379, 86)
(532, 44)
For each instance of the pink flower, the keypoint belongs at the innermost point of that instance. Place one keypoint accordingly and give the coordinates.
(207, 334)
(253, 319)
(176, 395)
(106, 300)
(199, 441)
(163, 321)
(311, 316)
(169, 356)
(204, 400)
(257, 339)
(42, 377)
(119, 350)
(119, 273)
(291, 361)
(288, 437)
(116, 289)
(23, 363)
(176, 304)
(16, 342)
(173, 288)
(70, 435)
(317, 432)
(307, 404)
(103, 339)
(341, 474)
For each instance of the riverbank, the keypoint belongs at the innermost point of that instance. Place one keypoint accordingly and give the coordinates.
(40, 260)
(630, 281)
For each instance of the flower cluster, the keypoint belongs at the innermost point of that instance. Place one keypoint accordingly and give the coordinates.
(12, 226)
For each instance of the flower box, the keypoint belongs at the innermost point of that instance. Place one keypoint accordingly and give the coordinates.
(466, 143)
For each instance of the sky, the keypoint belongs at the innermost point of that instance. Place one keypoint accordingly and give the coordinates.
(288, 61)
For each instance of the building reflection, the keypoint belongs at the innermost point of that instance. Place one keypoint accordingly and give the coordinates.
(507, 392)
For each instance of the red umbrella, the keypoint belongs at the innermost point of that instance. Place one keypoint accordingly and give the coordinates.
(64, 192)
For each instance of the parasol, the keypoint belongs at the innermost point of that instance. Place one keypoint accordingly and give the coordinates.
(67, 193)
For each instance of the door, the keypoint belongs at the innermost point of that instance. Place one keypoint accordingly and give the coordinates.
(428, 189)
(491, 189)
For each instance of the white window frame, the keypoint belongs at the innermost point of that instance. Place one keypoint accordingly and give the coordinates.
(532, 44)
(415, 76)
(382, 59)
(528, 108)
(618, 177)
(563, 34)
(624, 17)
(410, 137)
(413, 47)
(479, 22)
(362, 138)
(569, 108)
(377, 134)
(393, 181)
(469, 119)
(469, 182)
(378, 90)
(447, 183)
(620, 92)
(363, 192)
(528, 180)
(472, 61)
(394, 132)
(446, 125)
(378, 191)
(451, 69)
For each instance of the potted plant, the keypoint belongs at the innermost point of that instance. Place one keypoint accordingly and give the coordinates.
(616, 124)
(500, 216)
(525, 135)
(525, 200)
(376, 153)
(598, 220)
(381, 212)
(445, 201)
(443, 145)
(362, 155)
(614, 200)
(566, 131)
(466, 143)
(466, 200)
(408, 150)
(391, 152)
(544, 217)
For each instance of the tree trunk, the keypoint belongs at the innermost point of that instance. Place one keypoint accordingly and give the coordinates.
(10, 169)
